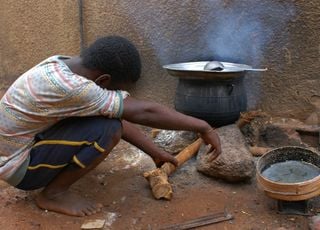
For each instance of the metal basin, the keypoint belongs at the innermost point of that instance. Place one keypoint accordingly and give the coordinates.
(284, 189)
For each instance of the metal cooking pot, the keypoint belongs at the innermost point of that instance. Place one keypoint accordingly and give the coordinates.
(196, 70)
(217, 97)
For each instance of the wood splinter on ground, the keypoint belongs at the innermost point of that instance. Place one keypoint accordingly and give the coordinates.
(93, 224)
(158, 178)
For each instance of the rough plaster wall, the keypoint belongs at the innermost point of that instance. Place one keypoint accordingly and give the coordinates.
(168, 31)
(294, 74)
(30, 31)
(114, 18)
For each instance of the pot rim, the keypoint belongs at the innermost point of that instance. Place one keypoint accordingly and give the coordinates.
(195, 70)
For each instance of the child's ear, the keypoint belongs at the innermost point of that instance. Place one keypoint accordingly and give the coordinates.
(104, 79)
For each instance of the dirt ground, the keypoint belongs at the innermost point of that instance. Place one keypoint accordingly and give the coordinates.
(119, 185)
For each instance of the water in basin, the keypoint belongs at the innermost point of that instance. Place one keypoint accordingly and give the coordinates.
(291, 171)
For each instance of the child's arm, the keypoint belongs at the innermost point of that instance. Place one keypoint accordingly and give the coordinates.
(159, 116)
(136, 137)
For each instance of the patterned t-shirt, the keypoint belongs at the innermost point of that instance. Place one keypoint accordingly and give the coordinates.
(44, 95)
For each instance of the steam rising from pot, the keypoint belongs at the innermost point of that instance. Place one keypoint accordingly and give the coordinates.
(225, 30)
(206, 30)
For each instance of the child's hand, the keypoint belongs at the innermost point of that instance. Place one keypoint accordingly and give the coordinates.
(211, 137)
(165, 157)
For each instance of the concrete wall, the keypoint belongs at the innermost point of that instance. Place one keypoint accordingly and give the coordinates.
(281, 35)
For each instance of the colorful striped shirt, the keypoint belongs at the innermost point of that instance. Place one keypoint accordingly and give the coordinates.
(44, 95)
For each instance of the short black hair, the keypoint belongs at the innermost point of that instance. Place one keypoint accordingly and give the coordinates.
(113, 55)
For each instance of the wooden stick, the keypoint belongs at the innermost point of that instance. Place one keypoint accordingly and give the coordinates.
(201, 221)
(158, 178)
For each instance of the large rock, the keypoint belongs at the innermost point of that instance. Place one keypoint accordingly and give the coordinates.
(275, 132)
(234, 164)
(273, 135)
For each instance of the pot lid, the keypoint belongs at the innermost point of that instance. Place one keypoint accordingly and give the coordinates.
(200, 66)
(195, 70)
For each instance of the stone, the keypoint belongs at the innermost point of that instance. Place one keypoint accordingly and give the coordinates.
(314, 117)
(251, 129)
(275, 136)
(235, 163)
(314, 223)
(174, 141)
(269, 132)
(306, 134)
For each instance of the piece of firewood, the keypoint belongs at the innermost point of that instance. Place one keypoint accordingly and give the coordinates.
(158, 178)
(258, 151)
(247, 117)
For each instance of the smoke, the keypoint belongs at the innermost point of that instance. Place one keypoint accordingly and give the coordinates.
(242, 31)
(224, 30)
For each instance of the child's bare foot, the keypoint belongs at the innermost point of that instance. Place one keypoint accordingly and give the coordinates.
(67, 203)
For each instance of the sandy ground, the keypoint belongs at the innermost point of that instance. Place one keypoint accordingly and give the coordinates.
(129, 204)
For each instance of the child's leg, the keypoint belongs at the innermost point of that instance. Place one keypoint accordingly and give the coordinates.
(93, 139)
(56, 197)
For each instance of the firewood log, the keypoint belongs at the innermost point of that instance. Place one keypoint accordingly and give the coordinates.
(158, 178)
